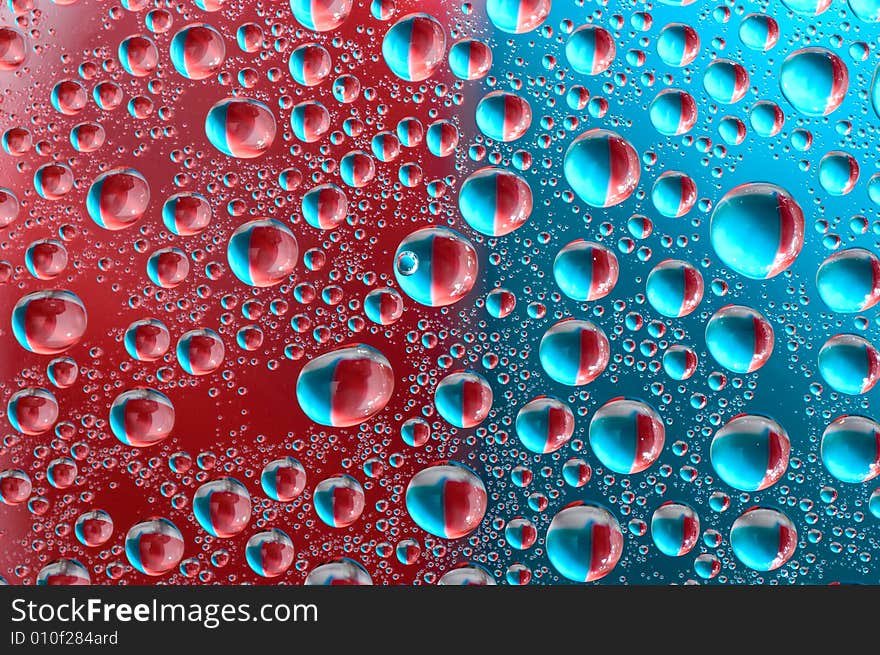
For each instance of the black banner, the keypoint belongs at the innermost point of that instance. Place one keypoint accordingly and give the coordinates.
(407, 619)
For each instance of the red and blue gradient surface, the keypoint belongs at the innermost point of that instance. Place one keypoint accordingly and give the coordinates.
(350, 291)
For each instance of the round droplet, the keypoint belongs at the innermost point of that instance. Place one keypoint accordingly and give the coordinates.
(346, 89)
(415, 432)
(9, 208)
(383, 306)
(269, 553)
(503, 116)
(435, 266)
(673, 112)
(675, 529)
(17, 141)
(574, 352)
(290, 179)
(118, 199)
(766, 118)
(750, 452)
(46, 259)
(410, 131)
(310, 121)
(757, 230)
(849, 364)
(49, 322)
(759, 32)
(32, 411)
(15, 486)
(283, 479)
(108, 95)
(339, 501)
(678, 44)
(64, 572)
(222, 507)
(53, 181)
(69, 97)
(141, 417)
(470, 59)
(576, 472)
(763, 539)
(442, 139)
(726, 81)
(627, 435)
(385, 146)
(240, 127)
(345, 387)
(590, 50)
(585, 271)
(520, 533)
(138, 55)
(674, 194)
(154, 547)
(467, 576)
(262, 253)
(200, 351)
(874, 503)
(850, 449)
(343, 571)
(198, 51)
(61, 472)
(495, 201)
(674, 288)
(838, 173)
(320, 15)
(680, 362)
(325, 206)
(463, 399)
(584, 542)
(168, 267)
(739, 338)
(500, 303)
(849, 280)
(732, 130)
(94, 528)
(147, 340)
(249, 37)
(413, 48)
(802, 139)
(62, 372)
(87, 137)
(310, 64)
(517, 16)
(446, 500)
(357, 168)
(186, 214)
(544, 424)
(602, 168)
(13, 48)
(867, 11)
(814, 81)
